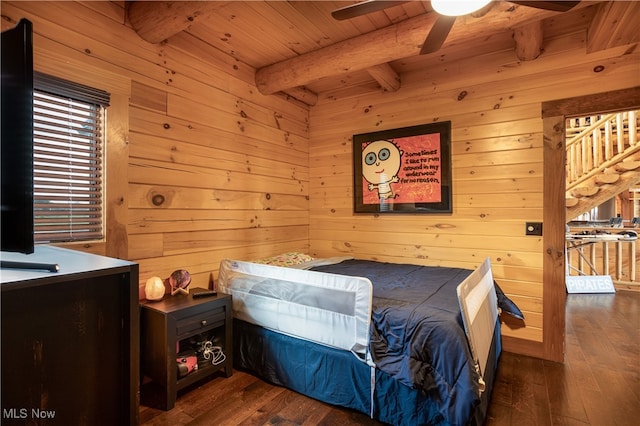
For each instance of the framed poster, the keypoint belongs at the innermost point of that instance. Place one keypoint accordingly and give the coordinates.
(406, 170)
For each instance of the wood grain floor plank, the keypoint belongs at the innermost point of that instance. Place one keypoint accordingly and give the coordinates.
(247, 407)
(530, 399)
(563, 400)
(597, 385)
(499, 411)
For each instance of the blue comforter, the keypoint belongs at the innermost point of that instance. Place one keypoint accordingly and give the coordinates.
(417, 335)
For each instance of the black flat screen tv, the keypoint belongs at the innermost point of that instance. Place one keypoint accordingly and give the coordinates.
(16, 156)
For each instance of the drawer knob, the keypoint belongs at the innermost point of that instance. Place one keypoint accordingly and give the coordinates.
(203, 323)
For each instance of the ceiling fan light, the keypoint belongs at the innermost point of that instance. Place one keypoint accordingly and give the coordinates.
(457, 7)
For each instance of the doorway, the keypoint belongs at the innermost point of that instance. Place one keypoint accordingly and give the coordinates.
(554, 114)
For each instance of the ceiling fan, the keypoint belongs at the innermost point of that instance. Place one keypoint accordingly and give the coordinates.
(441, 28)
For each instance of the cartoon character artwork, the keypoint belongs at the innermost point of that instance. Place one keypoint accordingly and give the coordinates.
(403, 170)
(381, 161)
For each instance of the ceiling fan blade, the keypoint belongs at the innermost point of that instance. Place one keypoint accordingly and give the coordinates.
(557, 6)
(438, 34)
(362, 8)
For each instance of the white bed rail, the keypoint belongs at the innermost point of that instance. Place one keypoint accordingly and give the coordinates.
(330, 309)
(479, 307)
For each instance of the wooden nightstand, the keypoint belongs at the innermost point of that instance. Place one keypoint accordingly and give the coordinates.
(180, 324)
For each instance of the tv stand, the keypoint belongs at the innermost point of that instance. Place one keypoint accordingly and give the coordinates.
(70, 339)
(11, 264)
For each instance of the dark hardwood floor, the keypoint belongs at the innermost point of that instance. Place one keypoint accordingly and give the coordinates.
(598, 384)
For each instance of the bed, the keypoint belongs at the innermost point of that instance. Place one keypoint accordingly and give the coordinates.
(406, 344)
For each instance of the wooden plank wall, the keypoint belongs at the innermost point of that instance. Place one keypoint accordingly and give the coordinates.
(494, 103)
(202, 166)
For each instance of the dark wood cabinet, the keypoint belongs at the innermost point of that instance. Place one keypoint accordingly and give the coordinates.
(70, 340)
(179, 326)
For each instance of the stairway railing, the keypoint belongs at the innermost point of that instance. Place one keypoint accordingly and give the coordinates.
(598, 256)
(595, 143)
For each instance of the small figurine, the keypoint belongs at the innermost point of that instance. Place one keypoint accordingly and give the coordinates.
(179, 281)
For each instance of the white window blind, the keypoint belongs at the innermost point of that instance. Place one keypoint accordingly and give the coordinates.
(68, 161)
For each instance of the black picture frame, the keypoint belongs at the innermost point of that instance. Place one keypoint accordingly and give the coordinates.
(418, 172)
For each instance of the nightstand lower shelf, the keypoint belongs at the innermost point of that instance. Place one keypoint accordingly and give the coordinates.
(181, 327)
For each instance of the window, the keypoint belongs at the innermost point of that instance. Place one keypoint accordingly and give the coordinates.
(69, 121)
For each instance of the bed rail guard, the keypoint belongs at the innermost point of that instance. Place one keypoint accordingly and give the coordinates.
(479, 307)
(330, 309)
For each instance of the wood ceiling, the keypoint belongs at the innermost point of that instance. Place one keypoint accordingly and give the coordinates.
(298, 48)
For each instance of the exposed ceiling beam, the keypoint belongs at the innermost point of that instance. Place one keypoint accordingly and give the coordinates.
(528, 38)
(155, 21)
(302, 94)
(385, 45)
(386, 77)
(358, 53)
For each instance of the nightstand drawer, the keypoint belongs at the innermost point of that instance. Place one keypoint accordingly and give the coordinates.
(200, 321)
